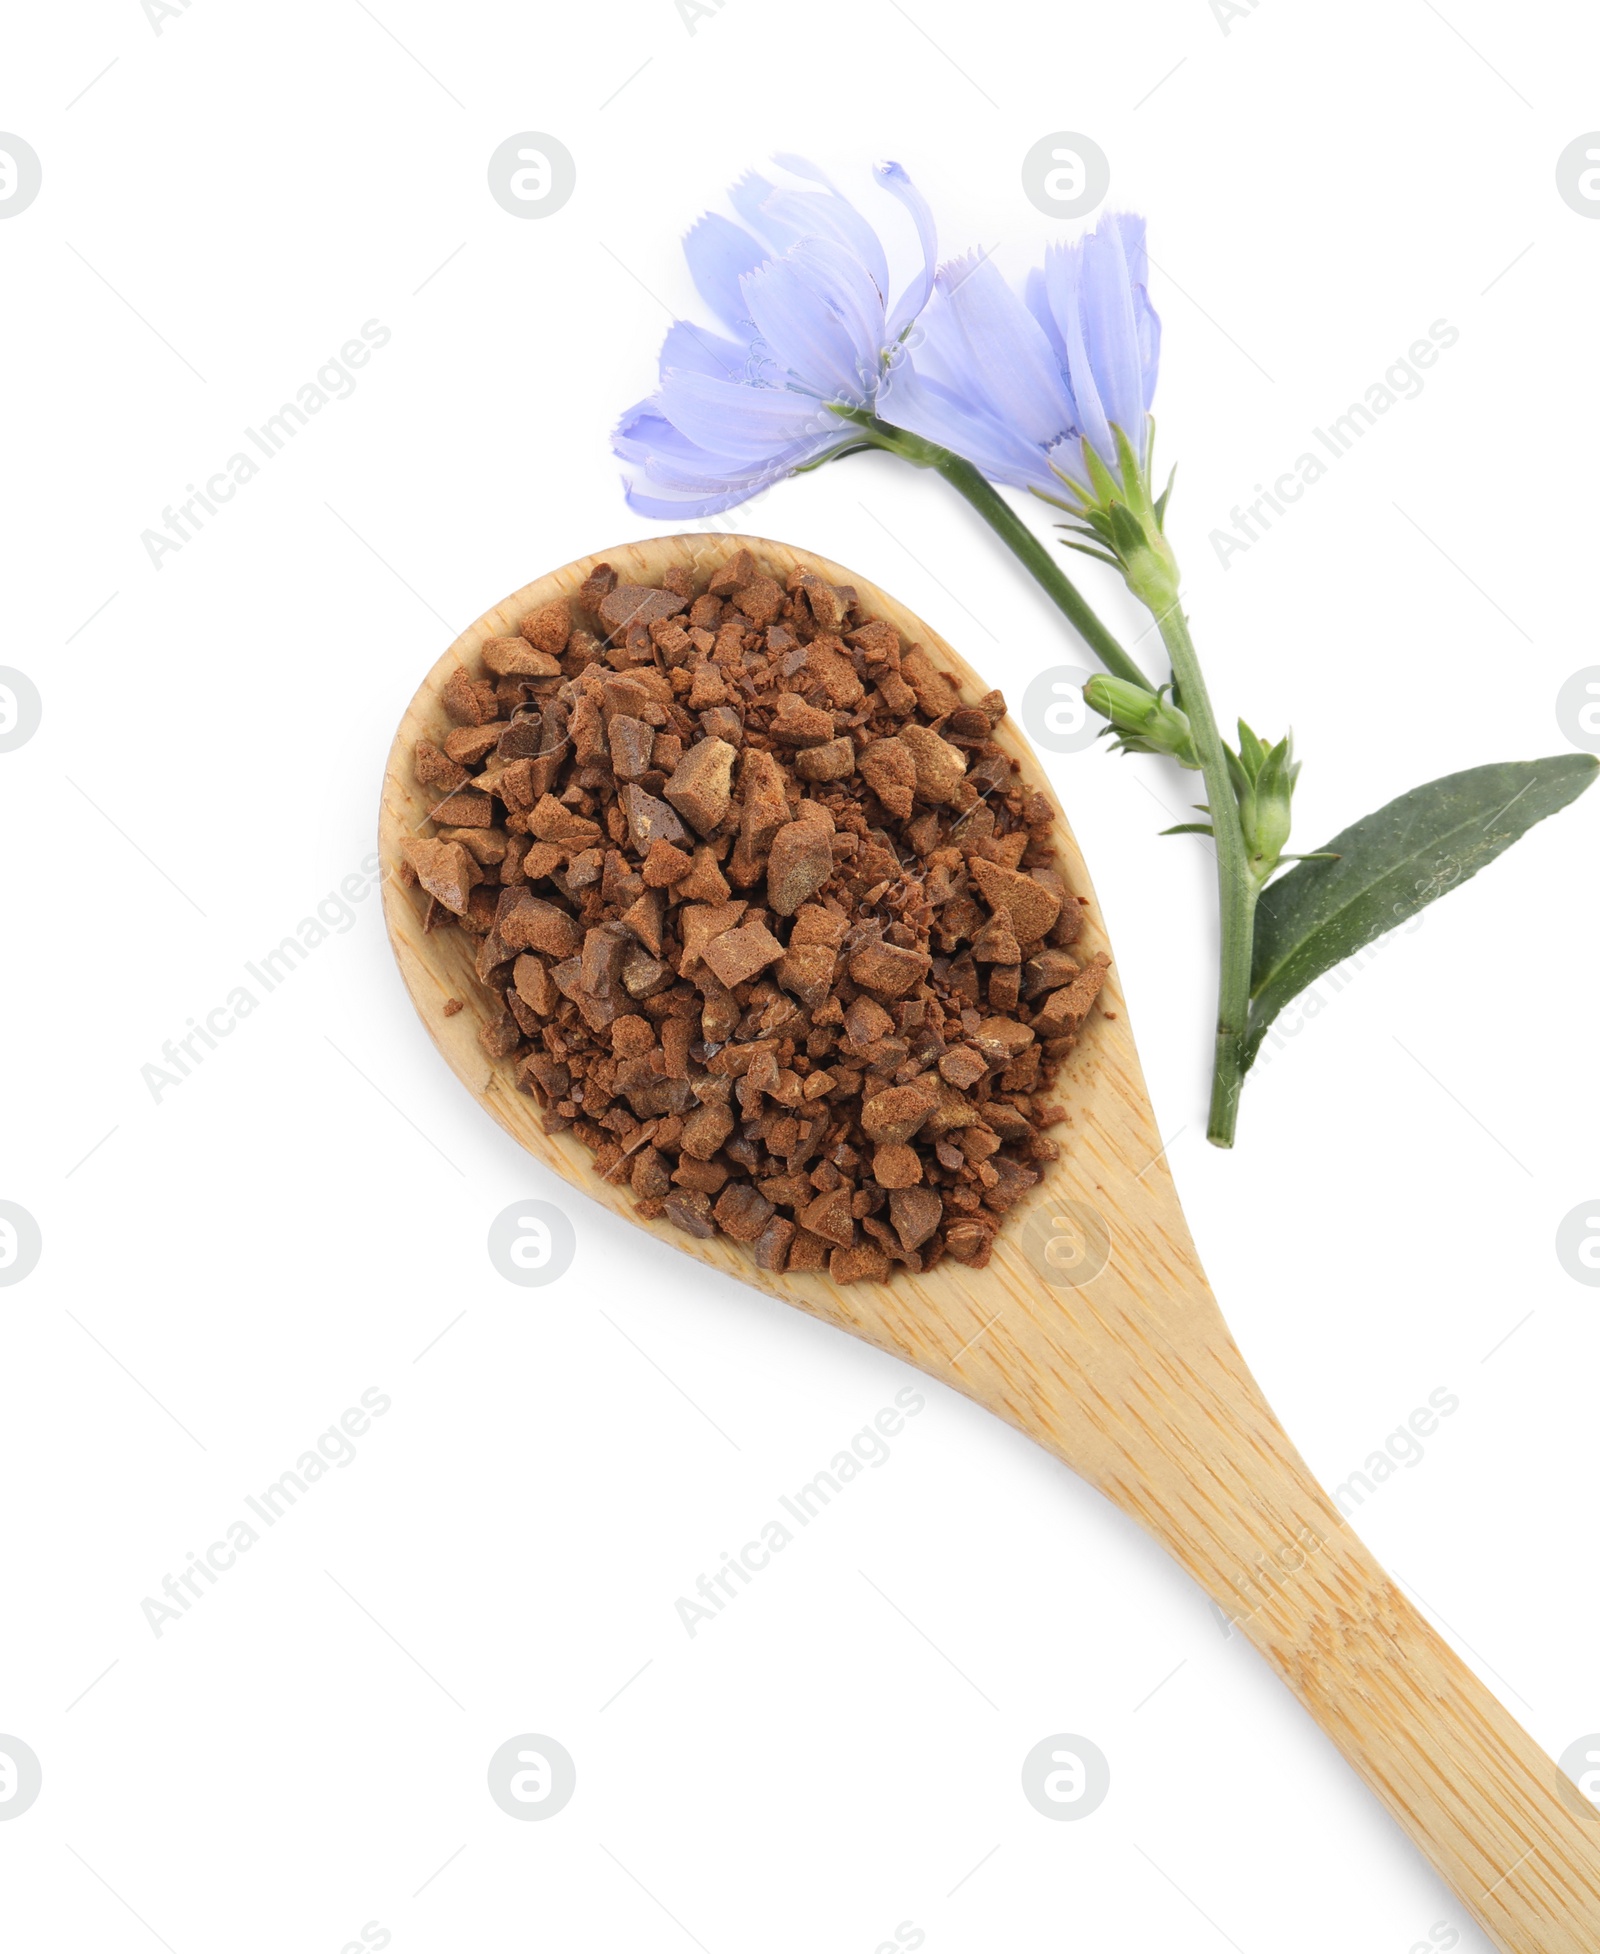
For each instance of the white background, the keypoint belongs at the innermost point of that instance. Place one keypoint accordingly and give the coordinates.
(305, 1217)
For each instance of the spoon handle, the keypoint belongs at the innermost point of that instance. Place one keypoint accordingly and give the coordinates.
(1210, 1472)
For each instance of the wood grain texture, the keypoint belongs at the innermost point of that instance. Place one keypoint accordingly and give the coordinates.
(1130, 1376)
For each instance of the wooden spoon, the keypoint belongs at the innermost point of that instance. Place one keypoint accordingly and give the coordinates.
(1094, 1331)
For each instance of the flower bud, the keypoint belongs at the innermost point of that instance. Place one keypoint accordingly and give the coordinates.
(1263, 780)
(1144, 721)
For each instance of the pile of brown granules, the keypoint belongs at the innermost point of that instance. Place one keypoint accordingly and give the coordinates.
(764, 915)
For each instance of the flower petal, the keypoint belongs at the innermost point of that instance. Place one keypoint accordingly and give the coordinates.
(677, 508)
(799, 305)
(983, 332)
(688, 348)
(673, 466)
(1110, 324)
(1037, 298)
(743, 422)
(645, 436)
(748, 197)
(719, 255)
(928, 407)
(1104, 327)
(920, 290)
(1061, 288)
(847, 287)
(673, 476)
(786, 216)
(1065, 465)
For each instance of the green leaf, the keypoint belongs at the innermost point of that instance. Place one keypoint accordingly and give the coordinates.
(1392, 864)
(1190, 828)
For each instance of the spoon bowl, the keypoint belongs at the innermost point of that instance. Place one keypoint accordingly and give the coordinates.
(1093, 1330)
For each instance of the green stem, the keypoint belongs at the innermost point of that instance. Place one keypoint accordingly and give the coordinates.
(1237, 888)
(1012, 531)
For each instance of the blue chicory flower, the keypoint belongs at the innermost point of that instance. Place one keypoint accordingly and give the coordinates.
(1018, 385)
(802, 285)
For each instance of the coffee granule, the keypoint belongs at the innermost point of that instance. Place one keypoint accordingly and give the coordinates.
(764, 915)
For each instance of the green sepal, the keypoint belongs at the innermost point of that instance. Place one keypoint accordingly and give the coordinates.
(1127, 535)
(1128, 461)
(1101, 478)
(1165, 495)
